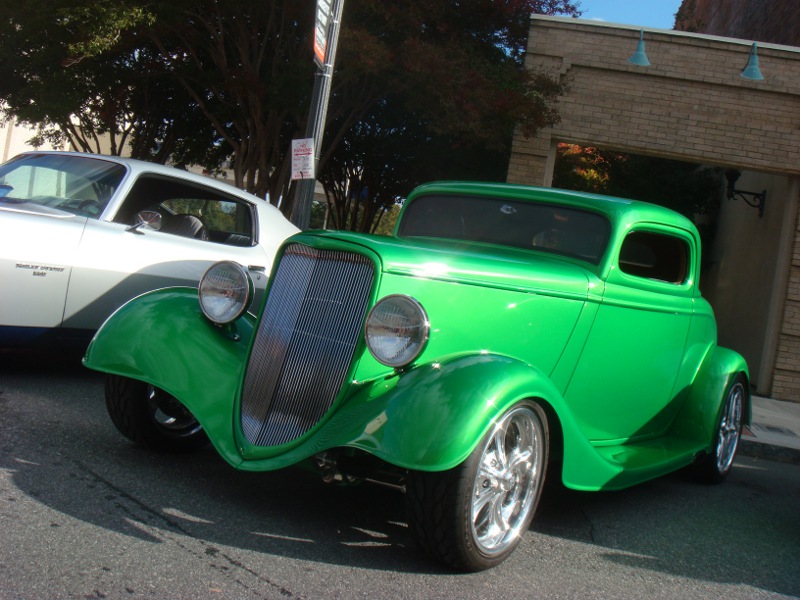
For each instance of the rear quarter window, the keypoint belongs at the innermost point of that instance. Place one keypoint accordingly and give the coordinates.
(655, 256)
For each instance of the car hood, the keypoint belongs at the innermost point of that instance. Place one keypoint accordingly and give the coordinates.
(470, 263)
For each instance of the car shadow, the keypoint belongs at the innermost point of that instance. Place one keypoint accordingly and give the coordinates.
(742, 532)
(60, 449)
(105, 480)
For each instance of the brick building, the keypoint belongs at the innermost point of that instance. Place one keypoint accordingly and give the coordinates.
(692, 104)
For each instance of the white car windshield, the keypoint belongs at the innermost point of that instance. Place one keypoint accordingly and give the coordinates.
(76, 184)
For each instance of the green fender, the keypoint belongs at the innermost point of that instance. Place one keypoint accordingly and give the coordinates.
(430, 417)
(163, 338)
(700, 413)
(433, 416)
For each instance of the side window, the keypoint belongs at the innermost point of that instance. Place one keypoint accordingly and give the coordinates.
(190, 210)
(225, 221)
(655, 256)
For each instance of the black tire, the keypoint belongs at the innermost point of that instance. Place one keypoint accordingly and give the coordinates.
(714, 467)
(473, 516)
(152, 418)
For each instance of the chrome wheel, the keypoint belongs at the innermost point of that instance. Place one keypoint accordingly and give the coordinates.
(506, 484)
(169, 413)
(474, 515)
(715, 466)
(730, 427)
(151, 417)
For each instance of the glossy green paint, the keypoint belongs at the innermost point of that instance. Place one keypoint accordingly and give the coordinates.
(181, 352)
(628, 367)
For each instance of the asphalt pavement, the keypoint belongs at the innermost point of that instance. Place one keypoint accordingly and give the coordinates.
(774, 432)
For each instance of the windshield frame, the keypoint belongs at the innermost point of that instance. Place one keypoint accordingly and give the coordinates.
(70, 183)
(565, 230)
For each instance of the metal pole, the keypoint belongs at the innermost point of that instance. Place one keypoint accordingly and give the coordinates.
(304, 193)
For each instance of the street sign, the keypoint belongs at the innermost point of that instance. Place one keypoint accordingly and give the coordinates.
(326, 35)
(303, 159)
(321, 32)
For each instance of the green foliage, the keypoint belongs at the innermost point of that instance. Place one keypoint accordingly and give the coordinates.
(386, 220)
(449, 87)
(684, 187)
(226, 84)
(99, 26)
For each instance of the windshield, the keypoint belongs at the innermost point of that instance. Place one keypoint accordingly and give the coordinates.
(76, 184)
(547, 227)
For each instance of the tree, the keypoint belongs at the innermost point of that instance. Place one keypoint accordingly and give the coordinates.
(202, 80)
(247, 66)
(188, 81)
(77, 72)
(452, 90)
(684, 187)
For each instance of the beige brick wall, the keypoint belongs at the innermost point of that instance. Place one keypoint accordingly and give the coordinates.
(690, 104)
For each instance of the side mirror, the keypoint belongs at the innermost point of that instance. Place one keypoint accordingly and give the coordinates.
(147, 219)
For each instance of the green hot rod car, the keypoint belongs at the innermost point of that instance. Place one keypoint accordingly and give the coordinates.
(500, 330)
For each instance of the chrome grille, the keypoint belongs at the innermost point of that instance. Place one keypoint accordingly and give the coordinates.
(305, 342)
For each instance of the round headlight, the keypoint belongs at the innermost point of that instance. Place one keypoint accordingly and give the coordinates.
(396, 331)
(225, 292)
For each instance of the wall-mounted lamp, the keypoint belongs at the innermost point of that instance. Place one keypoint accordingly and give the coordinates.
(751, 70)
(639, 57)
(754, 199)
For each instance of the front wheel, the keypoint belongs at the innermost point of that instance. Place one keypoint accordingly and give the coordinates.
(473, 516)
(151, 417)
(716, 466)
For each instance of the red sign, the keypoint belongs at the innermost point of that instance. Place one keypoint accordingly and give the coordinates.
(321, 31)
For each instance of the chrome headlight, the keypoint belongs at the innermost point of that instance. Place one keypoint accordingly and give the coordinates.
(397, 330)
(225, 292)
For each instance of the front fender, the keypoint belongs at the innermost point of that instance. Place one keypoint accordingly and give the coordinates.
(429, 418)
(163, 338)
(433, 416)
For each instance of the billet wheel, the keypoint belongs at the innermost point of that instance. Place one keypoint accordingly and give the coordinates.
(473, 516)
(716, 466)
(151, 417)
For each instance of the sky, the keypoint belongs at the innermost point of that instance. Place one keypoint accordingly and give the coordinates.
(643, 13)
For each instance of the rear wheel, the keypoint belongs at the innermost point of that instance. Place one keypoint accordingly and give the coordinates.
(473, 516)
(716, 466)
(151, 417)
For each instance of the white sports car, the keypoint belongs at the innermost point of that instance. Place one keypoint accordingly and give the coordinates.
(81, 234)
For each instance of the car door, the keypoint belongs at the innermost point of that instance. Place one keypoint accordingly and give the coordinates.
(37, 248)
(624, 384)
(115, 264)
(117, 261)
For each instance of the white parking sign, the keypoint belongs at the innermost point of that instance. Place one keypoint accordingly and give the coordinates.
(303, 159)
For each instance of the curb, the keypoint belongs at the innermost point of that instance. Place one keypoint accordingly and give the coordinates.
(769, 451)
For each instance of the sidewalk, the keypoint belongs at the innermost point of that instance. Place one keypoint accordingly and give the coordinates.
(775, 431)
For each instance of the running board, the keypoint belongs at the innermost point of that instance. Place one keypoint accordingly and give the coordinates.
(641, 461)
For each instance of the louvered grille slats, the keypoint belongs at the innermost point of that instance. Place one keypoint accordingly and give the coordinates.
(305, 342)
